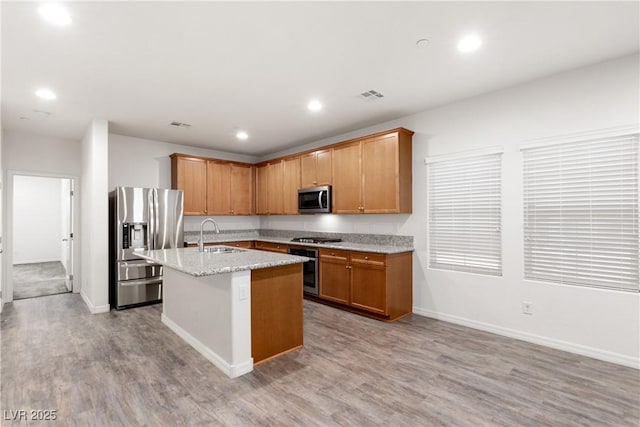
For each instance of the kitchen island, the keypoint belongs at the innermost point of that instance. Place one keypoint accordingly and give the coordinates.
(235, 306)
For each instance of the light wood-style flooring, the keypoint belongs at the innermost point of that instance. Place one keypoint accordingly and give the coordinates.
(127, 369)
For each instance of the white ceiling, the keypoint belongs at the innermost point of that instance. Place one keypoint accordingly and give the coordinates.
(254, 66)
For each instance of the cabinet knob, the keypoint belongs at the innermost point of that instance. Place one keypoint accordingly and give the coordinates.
(366, 257)
(333, 253)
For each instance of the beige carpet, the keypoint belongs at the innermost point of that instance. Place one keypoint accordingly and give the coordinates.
(38, 279)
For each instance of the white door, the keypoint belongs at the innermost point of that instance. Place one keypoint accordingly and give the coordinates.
(67, 231)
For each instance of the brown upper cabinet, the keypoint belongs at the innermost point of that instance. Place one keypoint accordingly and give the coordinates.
(277, 186)
(269, 188)
(373, 174)
(315, 169)
(190, 175)
(291, 184)
(212, 186)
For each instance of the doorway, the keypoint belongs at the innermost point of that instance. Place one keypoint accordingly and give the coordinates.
(42, 235)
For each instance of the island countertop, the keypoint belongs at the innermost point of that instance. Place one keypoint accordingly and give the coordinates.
(199, 264)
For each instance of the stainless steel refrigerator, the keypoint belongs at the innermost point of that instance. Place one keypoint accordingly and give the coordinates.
(141, 219)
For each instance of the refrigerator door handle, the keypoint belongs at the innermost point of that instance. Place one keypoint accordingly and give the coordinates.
(153, 210)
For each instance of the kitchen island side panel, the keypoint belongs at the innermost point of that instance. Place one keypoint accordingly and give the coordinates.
(213, 315)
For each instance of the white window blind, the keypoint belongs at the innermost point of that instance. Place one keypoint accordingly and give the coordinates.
(464, 214)
(581, 213)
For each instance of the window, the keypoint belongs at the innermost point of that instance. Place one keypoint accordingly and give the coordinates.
(464, 214)
(581, 213)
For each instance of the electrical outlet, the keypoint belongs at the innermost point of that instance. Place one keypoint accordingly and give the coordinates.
(243, 292)
(527, 307)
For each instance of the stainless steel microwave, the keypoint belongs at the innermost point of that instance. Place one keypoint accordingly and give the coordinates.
(314, 200)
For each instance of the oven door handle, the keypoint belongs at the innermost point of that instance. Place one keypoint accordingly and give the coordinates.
(138, 282)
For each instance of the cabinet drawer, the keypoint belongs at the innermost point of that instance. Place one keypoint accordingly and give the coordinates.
(334, 254)
(248, 244)
(368, 258)
(273, 247)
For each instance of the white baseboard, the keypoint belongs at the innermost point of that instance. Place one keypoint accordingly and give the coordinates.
(595, 353)
(94, 309)
(230, 370)
(34, 261)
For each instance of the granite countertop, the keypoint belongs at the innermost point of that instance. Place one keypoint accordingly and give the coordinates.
(199, 264)
(349, 246)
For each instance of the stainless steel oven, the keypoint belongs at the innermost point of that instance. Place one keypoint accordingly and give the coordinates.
(309, 269)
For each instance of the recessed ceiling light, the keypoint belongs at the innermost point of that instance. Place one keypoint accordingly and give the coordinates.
(314, 105)
(242, 135)
(469, 43)
(55, 14)
(45, 94)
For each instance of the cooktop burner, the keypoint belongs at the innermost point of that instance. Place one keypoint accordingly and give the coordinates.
(315, 240)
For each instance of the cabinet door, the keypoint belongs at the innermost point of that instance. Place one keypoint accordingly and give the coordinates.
(262, 200)
(241, 189)
(218, 188)
(347, 178)
(334, 280)
(369, 282)
(323, 167)
(275, 195)
(308, 170)
(380, 175)
(191, 177)
(291, 185)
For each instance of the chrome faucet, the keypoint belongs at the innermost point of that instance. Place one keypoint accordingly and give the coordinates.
(201, 239)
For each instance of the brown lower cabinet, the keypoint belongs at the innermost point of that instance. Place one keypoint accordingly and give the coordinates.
(273, 247)
(276, 311)
(375, 284)
(247, 244)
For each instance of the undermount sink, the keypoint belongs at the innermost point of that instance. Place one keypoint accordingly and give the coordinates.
(222, 250)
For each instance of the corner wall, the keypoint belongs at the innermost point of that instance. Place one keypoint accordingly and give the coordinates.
(604, 324)
(94, 210)
(56, 157)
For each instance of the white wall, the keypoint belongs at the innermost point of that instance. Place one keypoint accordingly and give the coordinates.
(600, 323)
(36, 219)
(136, 162)
(38, 153)
(94, 210)
(2, 219)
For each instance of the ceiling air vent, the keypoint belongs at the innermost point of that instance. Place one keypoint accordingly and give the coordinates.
(371, 95)
(179, 125)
